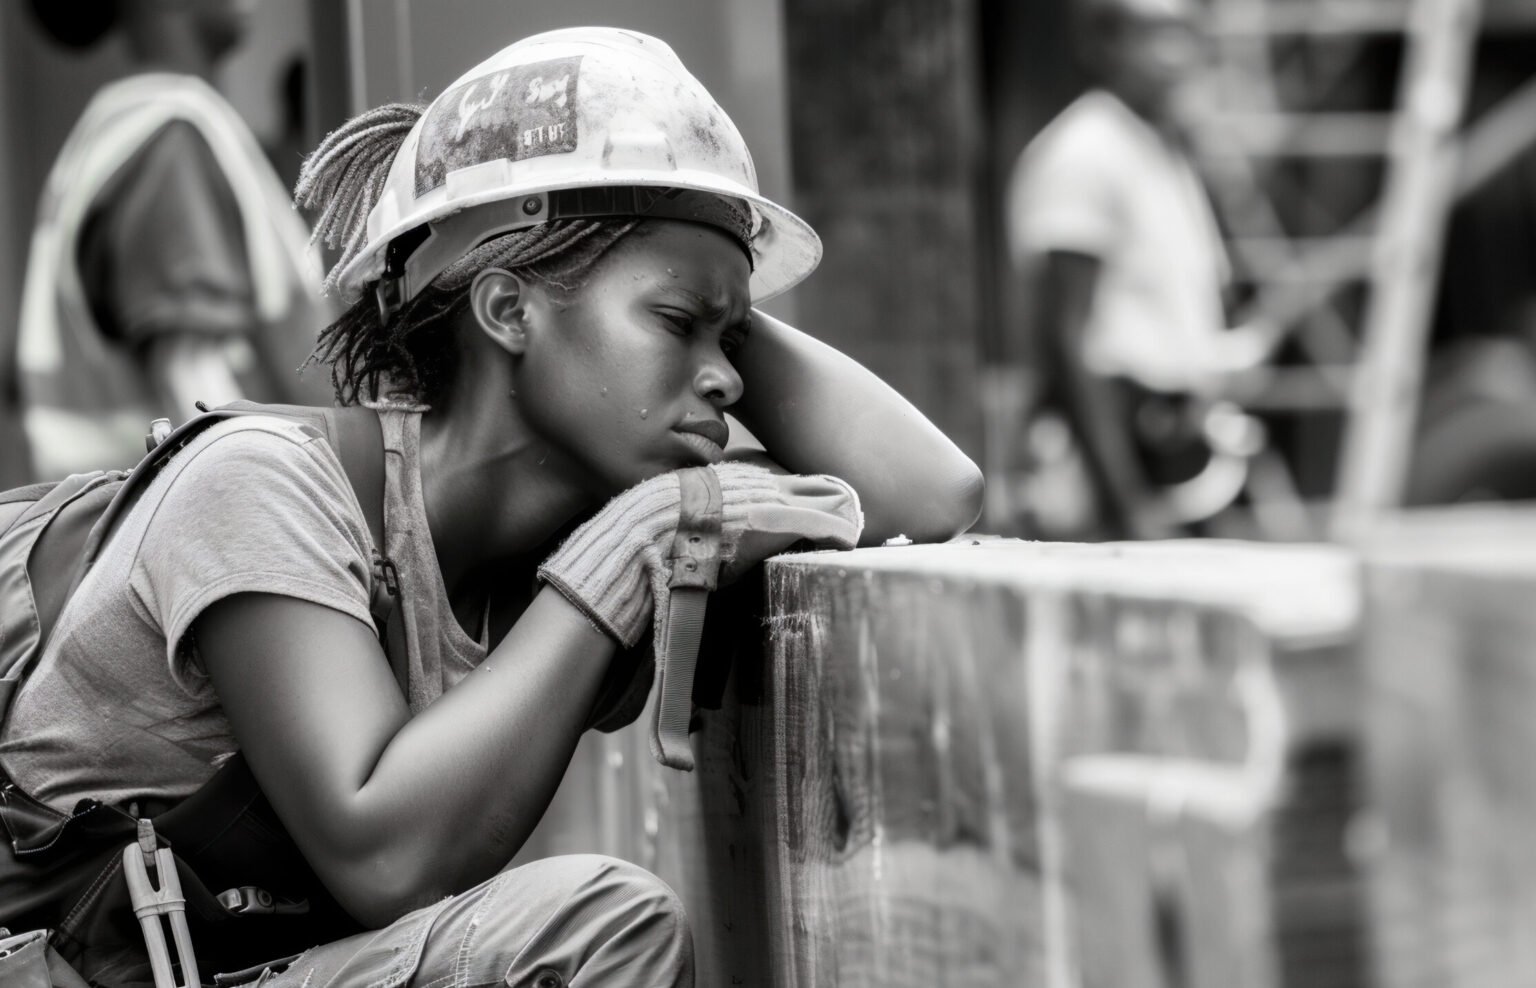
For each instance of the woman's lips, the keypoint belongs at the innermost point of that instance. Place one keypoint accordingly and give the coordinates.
(705, 447)
(714, 430)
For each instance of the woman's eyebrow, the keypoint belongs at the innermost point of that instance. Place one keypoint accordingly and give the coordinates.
(712, 311)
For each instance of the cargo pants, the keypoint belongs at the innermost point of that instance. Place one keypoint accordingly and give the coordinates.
(573, 921)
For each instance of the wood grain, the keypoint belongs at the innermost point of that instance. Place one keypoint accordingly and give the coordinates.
(1014, 704)
(1011, 764)
(1451, 779)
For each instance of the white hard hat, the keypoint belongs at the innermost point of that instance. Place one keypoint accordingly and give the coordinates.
(581, 122)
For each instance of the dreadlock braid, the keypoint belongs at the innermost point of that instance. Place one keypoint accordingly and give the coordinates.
(343, 179)
(345, 175)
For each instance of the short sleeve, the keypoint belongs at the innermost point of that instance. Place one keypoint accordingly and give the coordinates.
(252, 511)
(163, 250)
(1062, 193)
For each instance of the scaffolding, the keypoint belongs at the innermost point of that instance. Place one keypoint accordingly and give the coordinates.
(1279, 60)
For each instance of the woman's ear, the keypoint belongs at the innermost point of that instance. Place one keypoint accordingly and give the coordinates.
(499, 301)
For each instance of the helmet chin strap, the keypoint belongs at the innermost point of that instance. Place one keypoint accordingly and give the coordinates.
(417, 256)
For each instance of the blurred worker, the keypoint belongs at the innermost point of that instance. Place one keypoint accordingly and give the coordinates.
(167, 264)
(1125, 272)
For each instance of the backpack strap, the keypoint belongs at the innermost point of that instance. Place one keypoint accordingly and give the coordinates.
(358, 439)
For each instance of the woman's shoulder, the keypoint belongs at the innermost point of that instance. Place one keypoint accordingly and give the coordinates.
(253, 467)
(252, 505)
(256, 445)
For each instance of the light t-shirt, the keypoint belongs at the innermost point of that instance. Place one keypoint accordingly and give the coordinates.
(119, 707)
(1100, 181)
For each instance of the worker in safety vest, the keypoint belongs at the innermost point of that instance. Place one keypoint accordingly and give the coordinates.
(167, 265)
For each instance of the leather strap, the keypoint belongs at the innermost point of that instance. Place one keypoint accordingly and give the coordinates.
(695, 571)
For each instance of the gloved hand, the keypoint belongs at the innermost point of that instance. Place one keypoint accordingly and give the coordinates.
(655, 551)
(615, 566)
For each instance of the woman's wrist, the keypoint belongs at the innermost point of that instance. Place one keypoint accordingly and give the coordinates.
(594, 642)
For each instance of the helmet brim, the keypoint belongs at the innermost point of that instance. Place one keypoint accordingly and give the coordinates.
(785, 248)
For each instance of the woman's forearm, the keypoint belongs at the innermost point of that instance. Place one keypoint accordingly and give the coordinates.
(494, 748)
(392, 810)
(819, 411)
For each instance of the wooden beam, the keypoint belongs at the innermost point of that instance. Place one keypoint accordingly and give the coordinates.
(1310, 135)
(980, 705)
(900, 791)
(1349, 18)
(1415, 209)
(1491, 143)
(1449, 688)
(1130, 765)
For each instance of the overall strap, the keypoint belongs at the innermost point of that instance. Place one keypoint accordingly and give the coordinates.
(357, 437)
(695, 560)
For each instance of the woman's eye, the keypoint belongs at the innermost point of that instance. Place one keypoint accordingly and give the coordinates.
(730, 343)
(680, 321)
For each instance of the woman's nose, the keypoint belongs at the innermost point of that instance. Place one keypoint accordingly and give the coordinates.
(717, 381)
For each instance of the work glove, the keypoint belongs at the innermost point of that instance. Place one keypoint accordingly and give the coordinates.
(681, 533)
(615, 567)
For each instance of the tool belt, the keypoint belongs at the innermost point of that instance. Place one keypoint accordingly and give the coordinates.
(248, 895)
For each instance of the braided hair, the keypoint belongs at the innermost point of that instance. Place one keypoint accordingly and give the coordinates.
(411, 355)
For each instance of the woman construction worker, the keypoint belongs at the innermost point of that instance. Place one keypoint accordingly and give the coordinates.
(166, 263)
(551, 272)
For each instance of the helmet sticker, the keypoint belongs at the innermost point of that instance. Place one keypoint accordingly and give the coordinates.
(522, 112)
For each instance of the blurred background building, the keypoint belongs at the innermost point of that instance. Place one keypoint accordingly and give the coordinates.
(894, 127)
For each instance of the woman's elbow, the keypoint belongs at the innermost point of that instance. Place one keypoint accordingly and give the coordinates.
(376, 893)
(944, 503)
(971, 495)
(375, 870)
(959, 505)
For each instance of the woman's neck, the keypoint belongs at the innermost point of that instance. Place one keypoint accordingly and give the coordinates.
(493, 491)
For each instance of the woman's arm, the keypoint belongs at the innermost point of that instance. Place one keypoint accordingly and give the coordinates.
(819, 411)
(394, 811)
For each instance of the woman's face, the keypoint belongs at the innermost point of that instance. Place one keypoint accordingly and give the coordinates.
(630, 375)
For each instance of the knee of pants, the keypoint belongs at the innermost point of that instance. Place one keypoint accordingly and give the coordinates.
(603, 920)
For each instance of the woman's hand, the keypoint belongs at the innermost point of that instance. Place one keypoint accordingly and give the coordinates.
(615, 566)
(648, 557)
(817, 508)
